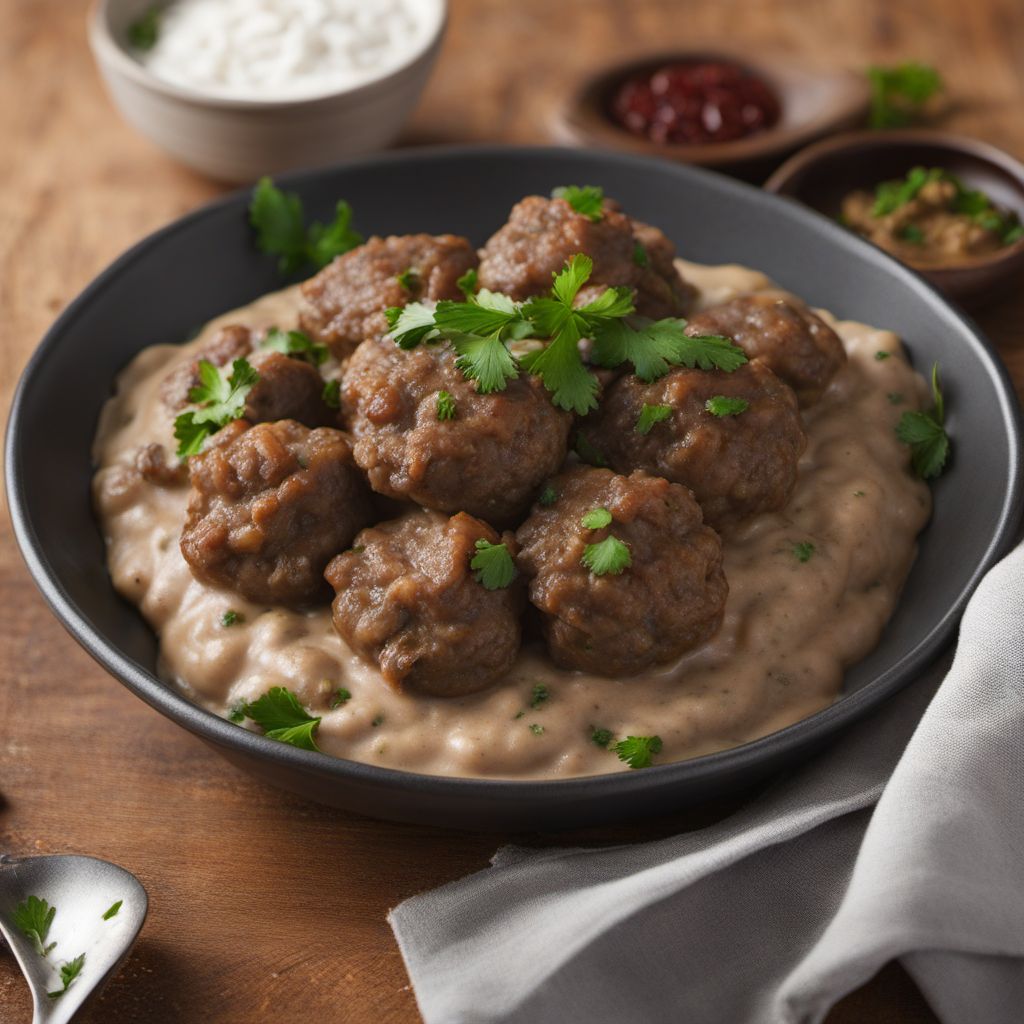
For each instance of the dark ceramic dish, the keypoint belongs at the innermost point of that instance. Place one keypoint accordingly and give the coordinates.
(823, 174)
(206, 263)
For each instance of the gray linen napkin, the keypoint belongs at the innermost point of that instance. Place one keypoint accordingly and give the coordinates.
(775, 913)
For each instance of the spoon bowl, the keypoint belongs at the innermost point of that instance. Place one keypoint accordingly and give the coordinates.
(84, 891)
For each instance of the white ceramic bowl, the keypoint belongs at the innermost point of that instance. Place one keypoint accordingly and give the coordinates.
(238, 140)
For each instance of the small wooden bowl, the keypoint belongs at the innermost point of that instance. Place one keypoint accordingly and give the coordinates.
(814, 103)
(823, 174)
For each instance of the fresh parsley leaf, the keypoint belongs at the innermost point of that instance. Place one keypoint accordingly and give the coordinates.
(926, 434)
(295, 344)
(112, 910)
(803, 551)
(602, 737)
(231, 618)
(485, 360)
(221, 399)
(445, 406)
(68, 973)
(640, 257)
(891, 195)
(653, 348)
(409, 325)
(637, 751)
(537, 730)
(608, 556)
(236, 713)
(144, 32)
(649, 415)
(341, 696)
(596, 519)
(881, 354)
(586, 199)
(547, 497)
(559, 366)
(331, 394)
(722, 405)
(493, 565)
(283, 718)
(324, 242)
(33, 918)
(898, 93)
(409, 279)
(539, 695)
(467, 283)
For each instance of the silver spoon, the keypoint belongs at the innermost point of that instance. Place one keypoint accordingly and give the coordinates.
(83, 890)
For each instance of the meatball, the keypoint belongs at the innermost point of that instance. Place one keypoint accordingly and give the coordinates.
(288, 388)
(737, 463)
(778, 329)
(488, 460)
(408, 600)
(542, 234)
(670, 597)
(344, 304)
(270, 505)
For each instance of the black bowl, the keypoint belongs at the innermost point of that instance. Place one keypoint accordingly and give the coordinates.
(206, 263)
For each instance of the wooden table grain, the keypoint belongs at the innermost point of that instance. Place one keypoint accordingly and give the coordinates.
(264, 907)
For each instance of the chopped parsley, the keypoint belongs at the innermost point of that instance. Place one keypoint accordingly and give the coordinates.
(278, 220)
(467, 284)
(68, 973)
(341, 696)
(539, 695)
(231, 618)
(925, 432)
(331, 394)
(722, 405)
(881, 354)
(587, 200)
(640, 257)
(295, 344)
(377, 720)
(913, 234)
(891, 195)
(283, 718)
(144, 32)
(898, 93)
(602, 737)
(547, 497)
(236, 713)
(803, 550)
(220, 398)
(537, 730)
(588, 452)
(33, 918)
(859, 494)
(637, 751)
(493, 565)
(409, 279)
(112, 910)
(445, 406)
(596, 518)
(649, 415)
(609, 556)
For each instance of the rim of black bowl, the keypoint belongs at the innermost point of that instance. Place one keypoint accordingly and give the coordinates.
(221, 732)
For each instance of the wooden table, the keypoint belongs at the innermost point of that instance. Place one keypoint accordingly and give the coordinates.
(264, 907)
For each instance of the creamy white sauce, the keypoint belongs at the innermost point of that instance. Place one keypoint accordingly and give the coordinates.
(790, 627)
(286, 49)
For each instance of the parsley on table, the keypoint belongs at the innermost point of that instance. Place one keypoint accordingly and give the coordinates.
(596, 519)
(587, 200)
(492, 565)
(68, 973)
(445, 406)
(341, 696)
(281, 231)
(467, 283)
(609, 556)
(231, 618)
(112, 910)
(295, 344)
(144, 32)
(331, 394)
(649, 415)
(637, 751)
(602, 737)
(722, 405)
(925, 432)
(803, 550)
(539, 695)
(898, 93)
(220, 398)
(283, 718)
(33, 918)
(547, 497)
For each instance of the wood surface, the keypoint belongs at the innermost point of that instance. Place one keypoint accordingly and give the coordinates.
(264, 907)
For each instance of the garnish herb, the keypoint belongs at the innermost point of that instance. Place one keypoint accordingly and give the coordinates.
(493, 565)
(445, 406)
(637, 751)
(891, 195)
(68, 973)
(220, 399)
(898, 93)
(539, 695)
(341, 696)
(112, 910)
(144, 32)
(295, 344)
(896, 397)
(547, 497)
(231, 618)
(281, 230)
(283, 718)
(859, 494)
(596, 518)
(467, 283)
(881, 354)
(33, 918)
(537, 730)
(602, 737)
(377, 720)
(236, 713)
(585, 199)
(610, 556)
(409, 279)
(803, 551)
(925, 432)
(913, 234)
(588, 452)
(332, 394)
(722, 405)
(649, 415)
(640, 257)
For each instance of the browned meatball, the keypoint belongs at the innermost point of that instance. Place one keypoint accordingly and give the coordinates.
(344, 304)
(408, 601)
(488, 460)
(542, 234)
(736, 465)
(778, 329)
(269, 507)
(288, 388)
(669, 599)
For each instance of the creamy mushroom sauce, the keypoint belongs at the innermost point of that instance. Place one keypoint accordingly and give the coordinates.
(790, 627)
